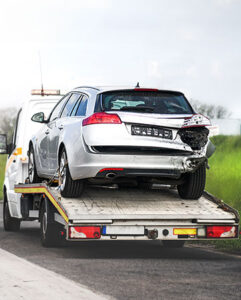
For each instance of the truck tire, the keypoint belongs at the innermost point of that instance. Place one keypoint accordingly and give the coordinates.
(194, 184)
(68, 187)
(32, 171)
(173, 244)
(50, 230)
(9, 223)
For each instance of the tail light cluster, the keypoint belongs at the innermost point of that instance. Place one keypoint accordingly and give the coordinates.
(102, 118)
(196, 120)
(84, 232)
(222, 231)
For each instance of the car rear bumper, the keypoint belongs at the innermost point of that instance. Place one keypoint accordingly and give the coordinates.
(132, 165)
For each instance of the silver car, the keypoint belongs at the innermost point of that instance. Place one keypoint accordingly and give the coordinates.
(124, 136)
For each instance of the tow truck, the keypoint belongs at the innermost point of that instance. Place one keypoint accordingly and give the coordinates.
(106, 212)
(112, 213)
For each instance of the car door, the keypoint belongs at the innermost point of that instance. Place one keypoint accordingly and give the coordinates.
(56, 129)
(43, 138)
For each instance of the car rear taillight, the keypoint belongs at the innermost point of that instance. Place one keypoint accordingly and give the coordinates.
(196, 120)
(84, 232)
(102, 118)
(221, 231)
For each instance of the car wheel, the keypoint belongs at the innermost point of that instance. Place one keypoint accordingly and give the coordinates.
(50, 230)
(10, 223)
(32, 171)
(194, 184)
(68, 187)
(173, 244)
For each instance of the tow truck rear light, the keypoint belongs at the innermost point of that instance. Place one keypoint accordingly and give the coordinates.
(102, 118)
(221, 231)
(84, 232)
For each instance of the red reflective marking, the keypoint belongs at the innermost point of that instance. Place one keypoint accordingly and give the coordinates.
(146, 90)
(111, 169)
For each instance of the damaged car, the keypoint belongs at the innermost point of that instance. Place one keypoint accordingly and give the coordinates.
(123, 136)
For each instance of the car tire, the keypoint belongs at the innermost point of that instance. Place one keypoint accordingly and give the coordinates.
(32, 171)
(68, 187)
(50, 230)
(173, 244)
(194, 184)
(9, 223)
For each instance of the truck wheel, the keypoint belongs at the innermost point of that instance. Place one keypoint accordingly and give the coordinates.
(194, 184)
(68, 187)
(50, 230)
(173, 244)
(32, 171)
(10, 223)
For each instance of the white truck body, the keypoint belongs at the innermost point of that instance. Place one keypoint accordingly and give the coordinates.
(17, 163)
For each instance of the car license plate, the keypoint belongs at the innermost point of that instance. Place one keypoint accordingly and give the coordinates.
(151, 131)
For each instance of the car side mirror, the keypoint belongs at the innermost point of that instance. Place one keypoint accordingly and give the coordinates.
(38, 117)
(3, 144)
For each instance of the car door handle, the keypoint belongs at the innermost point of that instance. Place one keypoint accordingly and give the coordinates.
(61, 127)
(47, 131)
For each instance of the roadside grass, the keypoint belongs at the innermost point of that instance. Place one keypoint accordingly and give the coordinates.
(224, 178)
(3, 159)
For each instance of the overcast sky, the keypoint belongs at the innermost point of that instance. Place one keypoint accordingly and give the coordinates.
(193, 46)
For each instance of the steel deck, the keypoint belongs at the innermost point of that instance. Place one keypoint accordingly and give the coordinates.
(98, 203)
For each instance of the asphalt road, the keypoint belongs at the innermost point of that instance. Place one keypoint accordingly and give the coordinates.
(133, 270)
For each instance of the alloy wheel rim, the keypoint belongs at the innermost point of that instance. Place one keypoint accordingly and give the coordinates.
(31, 167)
(62, 166)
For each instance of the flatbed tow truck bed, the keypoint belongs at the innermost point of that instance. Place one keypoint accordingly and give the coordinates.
(131, 213)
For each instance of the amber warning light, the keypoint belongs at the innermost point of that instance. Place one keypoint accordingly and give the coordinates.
(43, 92)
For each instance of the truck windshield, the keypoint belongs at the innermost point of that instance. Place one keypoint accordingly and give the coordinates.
(146, 102)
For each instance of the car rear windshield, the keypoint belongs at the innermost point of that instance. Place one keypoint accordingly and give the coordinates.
(156, 102)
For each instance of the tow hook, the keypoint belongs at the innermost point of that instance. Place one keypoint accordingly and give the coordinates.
(152, 234)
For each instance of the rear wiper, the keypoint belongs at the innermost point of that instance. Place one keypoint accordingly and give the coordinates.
(138, 108)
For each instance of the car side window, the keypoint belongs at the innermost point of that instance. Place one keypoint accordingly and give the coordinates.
(56, 111)
(81, 111)
(70, 105)
(76, 107)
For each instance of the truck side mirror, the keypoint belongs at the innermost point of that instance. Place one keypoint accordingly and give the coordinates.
(38, 117)
(3, 144)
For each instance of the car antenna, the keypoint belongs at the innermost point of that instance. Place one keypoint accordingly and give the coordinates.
(137, 85)
(41, 75)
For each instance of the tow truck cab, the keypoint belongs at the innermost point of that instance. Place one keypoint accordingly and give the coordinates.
(17, 163)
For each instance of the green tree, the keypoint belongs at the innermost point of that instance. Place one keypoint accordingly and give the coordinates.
(210, 110)
(7, 121)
